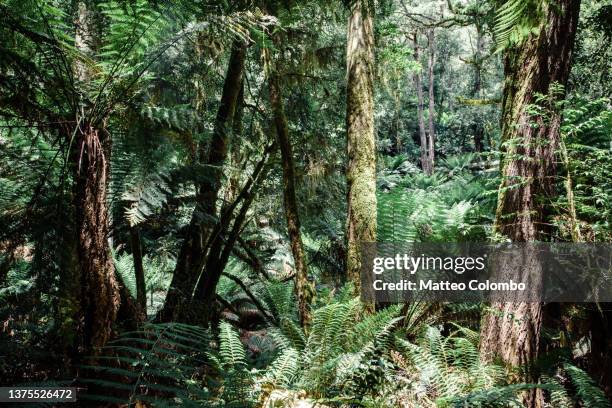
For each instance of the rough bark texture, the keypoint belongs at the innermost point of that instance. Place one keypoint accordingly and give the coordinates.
(528, 171)
(418, 86)
(303, 289)
(141, 289)
(431, 62)
(361, 143)
(193, 251)
(529, 164)
(100, 298)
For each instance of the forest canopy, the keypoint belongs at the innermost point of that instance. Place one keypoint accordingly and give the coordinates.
(186, 188)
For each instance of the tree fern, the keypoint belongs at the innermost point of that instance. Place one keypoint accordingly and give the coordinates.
(134, 27)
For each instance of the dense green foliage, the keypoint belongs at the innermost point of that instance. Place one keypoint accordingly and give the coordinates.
(154, 80)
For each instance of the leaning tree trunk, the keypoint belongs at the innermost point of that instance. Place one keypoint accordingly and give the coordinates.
(361, 143)
(528, 169)
(418, 85)
(192, 253)
(431, 62)
(303, 288)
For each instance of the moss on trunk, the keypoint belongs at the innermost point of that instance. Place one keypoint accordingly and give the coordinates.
(361, 143)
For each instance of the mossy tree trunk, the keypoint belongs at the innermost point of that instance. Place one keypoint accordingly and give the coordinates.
(537, 66)
(361, 143)
(431, 133)
(477, 62)
(303, 289)
(418, 86)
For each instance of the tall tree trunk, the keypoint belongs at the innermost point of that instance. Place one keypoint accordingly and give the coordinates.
(303, 288)
(192, 253)
(528, 169)
(418, 86)
(99, 297)
(236, 155)
(477, 128)
(361, 142)
(141, 289)
(431, 62)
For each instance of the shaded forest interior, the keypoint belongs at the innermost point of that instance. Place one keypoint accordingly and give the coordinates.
(185, 187)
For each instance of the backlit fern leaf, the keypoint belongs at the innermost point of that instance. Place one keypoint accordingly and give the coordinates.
(180, 119)
(283, 369)
(231, 349)
(145, 198)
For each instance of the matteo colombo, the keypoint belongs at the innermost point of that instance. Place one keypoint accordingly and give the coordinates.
(474, 284)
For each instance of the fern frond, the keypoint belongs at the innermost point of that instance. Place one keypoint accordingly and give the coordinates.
(515, 20)
(156, 362)
(145, 198)
(231, 349)
(589, 393)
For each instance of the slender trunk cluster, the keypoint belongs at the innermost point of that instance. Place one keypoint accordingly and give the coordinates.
(426, 135)
(220, 244)
(361, 143)
(431, 62)
(539, 65)
(192, 256)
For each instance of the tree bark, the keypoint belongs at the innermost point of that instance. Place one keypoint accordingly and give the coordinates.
(236, 155)
(361, 143)
(528, 170)
(431, 62)
(303, 289)
(99, 289)
(141, 289)
(418, 86)
(100, 298)
(192, 253)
